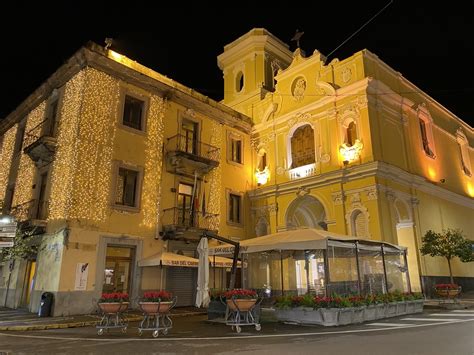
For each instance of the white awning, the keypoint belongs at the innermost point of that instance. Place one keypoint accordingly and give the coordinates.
(172, 259)
(298, 239)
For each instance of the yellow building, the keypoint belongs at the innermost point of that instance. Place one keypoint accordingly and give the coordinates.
(353, 147)
(109, 163)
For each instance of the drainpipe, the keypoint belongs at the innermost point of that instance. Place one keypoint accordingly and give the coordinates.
(11, 266)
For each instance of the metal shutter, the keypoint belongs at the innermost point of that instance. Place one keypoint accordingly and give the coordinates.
(181, 282)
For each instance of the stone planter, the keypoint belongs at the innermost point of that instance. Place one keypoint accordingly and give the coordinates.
(113, 307)
(330, 316)
(380, 310)
(401, 308)
(410, 307)
(300, 315)
(155, 307)
(391, 309)
(345, 315)
(370, 313)
(358, 314)
(418, 306)
(216, 309)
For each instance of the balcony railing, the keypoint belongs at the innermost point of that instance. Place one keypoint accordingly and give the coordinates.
(184, 218)
(193, 148)
(31, 210)
(39, 142)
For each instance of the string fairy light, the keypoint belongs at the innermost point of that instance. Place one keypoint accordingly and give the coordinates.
(215, 177)
(62, 176)
(26, 171)
(151, 192)
(6, 157)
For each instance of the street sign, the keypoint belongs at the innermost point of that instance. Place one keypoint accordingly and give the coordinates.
(7, 234)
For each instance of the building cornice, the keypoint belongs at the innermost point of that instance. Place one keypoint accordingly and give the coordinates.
(375, 169)
(97, 57)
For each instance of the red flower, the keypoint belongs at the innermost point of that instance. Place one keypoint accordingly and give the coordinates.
(446, 286)
(240, 293)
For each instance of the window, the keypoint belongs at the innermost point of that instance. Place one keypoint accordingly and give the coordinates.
(239, 81)
(463, 147)
(302, 147)
(185, 201)
(19, 138)
(351, 134)
(189, 139)
(133, 112)
(53, 117)
(127, 187)
(359, 224)
(7, 206)
(261, 160)
(235, 148)
(235, 204)
(424, 138)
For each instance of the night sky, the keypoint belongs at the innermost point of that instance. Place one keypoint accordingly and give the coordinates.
(430, 43)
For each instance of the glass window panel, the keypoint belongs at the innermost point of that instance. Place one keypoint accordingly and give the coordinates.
(342, 261)
(397, 271)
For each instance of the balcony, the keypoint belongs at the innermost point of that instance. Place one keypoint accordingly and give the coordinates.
(186, 156)
(40, 143)
(179, 221)
(31, 215)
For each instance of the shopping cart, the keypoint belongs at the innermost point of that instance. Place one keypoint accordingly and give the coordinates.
(156, 317)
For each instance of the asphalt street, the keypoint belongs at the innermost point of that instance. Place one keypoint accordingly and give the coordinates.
(433, 332)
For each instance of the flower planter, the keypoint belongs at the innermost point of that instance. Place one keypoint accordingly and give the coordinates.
(300, 315)
(410, 307)
(241, 303)
(380, 310)
(369, 313)
(330, 316)
(401, 308)
(448, 293)
(155, 307)
(418, 306)
(391, 309)
(358, 314)
(216, 309)
(113, 307)
(345, 316)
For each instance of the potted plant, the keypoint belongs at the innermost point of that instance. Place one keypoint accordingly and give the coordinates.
(240, 299)
(154, 302)
(114, 302)
(447, 290)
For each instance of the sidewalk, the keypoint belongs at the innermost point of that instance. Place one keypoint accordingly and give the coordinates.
(21, 319)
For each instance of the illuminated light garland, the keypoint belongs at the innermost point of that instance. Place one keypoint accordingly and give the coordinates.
(215, 177)
(94, 150)
(26, 171)
(6, 155)
(62, 176)
(151, 192)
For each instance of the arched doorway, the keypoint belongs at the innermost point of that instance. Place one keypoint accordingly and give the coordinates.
(306, 211)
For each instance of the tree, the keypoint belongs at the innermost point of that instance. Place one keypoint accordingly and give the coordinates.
(449, 244)
(22, 247)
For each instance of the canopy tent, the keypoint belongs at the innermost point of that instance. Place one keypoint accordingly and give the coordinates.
(298, 239)
(173, 259)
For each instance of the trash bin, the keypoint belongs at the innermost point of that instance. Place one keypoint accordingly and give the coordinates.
(45, 304)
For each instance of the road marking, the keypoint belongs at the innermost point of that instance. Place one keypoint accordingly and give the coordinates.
(433, 319)
(451, 315)
(286, 335)
(389, 324)
(462, 311)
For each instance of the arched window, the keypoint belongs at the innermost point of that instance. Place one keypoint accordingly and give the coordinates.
(424, 138)
(239, 82)
(351, 134)
(359, 224)
(302, 147)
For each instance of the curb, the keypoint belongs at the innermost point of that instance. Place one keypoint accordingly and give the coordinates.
(79, 324)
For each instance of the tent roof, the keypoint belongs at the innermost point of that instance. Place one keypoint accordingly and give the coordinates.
(297, 239)
(173, 259)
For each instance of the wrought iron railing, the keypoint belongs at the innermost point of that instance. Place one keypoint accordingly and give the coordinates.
(44, 128)
(184, 217)
(31, 210)
(181, 143)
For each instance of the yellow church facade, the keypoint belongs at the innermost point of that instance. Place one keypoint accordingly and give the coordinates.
(110, 163)
(353, 147)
